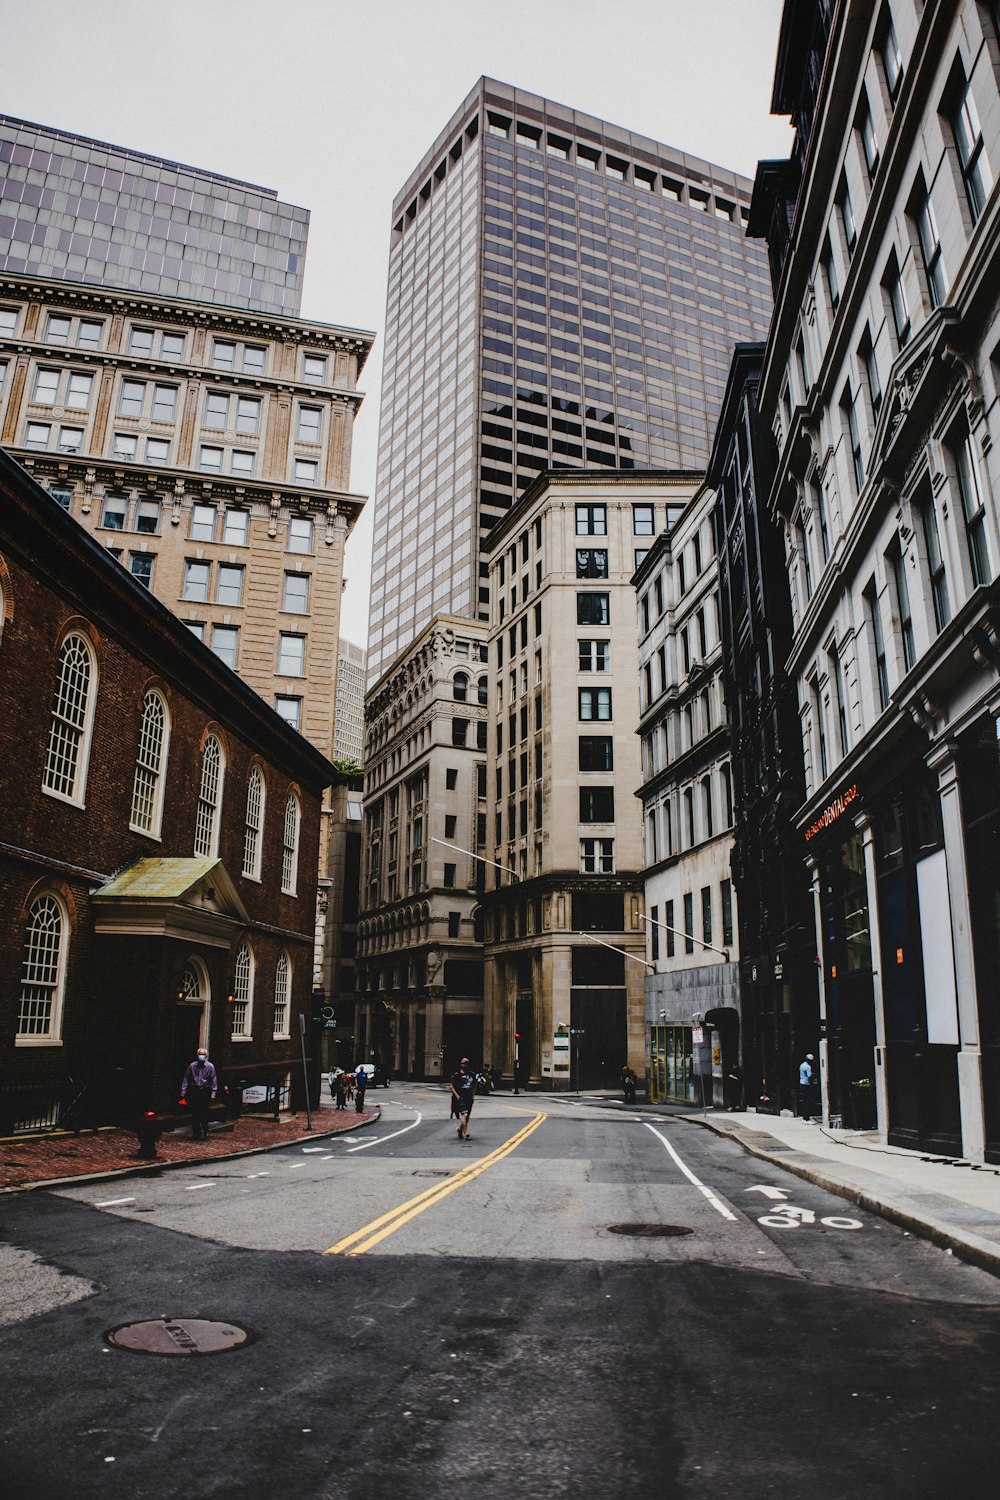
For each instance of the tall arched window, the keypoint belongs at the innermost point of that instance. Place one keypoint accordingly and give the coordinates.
(290, 846)
(65, 772)
(243, 994)
(481, 689)
(254, 824)
(44, 971)
(460, 687)
(282, 993)
(206, 828)
(150, 764)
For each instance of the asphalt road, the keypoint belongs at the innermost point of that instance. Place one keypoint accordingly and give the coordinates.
(427, 1315)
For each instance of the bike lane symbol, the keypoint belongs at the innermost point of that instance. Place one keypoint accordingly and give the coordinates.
(789, 1216)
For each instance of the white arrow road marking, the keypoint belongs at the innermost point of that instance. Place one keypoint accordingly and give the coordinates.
(379, 1139)
(716, 1203)
(112, 1202)
(769, 1192)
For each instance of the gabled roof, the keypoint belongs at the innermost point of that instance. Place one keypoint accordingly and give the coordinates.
(194, 900)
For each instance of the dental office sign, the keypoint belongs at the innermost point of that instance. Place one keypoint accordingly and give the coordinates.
(832, 812)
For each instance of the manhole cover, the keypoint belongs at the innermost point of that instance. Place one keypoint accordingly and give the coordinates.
(178, 1336)
(649, 1231)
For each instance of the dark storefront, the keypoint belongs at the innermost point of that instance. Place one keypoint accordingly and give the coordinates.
(979, 774)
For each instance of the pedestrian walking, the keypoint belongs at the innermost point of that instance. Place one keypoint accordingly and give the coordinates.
(331, 1079)
(360, 1084)
(463, 1090)
(341, 1094)
(733, 1087)
(628, 1084)
(199, 1088)
(806, 1076)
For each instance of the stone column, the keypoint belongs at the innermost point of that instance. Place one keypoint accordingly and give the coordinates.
(824, 1042)
(942, 759)
(864, 826)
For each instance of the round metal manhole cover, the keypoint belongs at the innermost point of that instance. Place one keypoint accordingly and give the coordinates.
(178, 1336)
(649, 1231)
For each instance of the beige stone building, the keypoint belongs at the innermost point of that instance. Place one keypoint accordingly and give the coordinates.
(209, 450)
(419, 959)
(565, 947)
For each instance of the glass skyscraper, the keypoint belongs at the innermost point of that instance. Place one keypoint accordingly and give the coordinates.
(562, 293)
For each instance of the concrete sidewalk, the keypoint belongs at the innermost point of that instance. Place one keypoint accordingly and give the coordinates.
(955, 1205)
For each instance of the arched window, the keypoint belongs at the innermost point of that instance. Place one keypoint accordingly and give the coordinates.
(206, 828)
(707, 813)
(290, 846)
(150, 764)
(44, 972)
(282, 992)
(460, 687)
(254, 824)
(481, 687)
(727, 793)
(65, 773)
(243, 994)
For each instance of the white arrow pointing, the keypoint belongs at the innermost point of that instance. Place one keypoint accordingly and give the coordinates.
(769, 1192)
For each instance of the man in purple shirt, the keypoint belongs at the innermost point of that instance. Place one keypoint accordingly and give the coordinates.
(199, 1089)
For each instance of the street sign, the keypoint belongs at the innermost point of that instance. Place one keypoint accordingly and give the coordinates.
(697, 1035)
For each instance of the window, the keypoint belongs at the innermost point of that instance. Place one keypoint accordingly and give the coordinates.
(206, 828)
(217, 410)
(898, 565)
(243, 977)
(141, 342)
(78, 391)
(235, 527)
(254, 357)
(306, 470)
(140, 565)
(196, 581)
(247, 415)
(253, 824)
(597, 804)
(642, 520)
(125, 446)
(451, 779)
(202, 523)
(707, 811)
(459, 731)
(289, 709)
(460, 687)
(727, 913)
(229, 585)
(132, 398)
(706, 913)
(869, 363)
(593, 609)
(922, 212)
(819, 729)
(65, 771)
(147, 783)
(282, 995)
(935, 563)
(300, 534)
(57, 329)
(164, 403)
(597, 856)
(591, 562)
(113, 512)
(37, 435)
(310, 419)
(290, 846)
(295, 598)
(870, 596)
(830, 276)
(241, 461)
(970, 487)
(846, 210)
(454, 924)
(157, 450)
(591, 520)
(837, 678)
(594, 656)
(291, 655)
(223, 355)
(595, 703)
(892, 283)
(852, 433)
(972, 158)
(225, 643)
(869, 140)
(210, 459)
(46, 389)
(688, 922)
(892, 58)
(171, 346)
(314, 368)
(43, 972)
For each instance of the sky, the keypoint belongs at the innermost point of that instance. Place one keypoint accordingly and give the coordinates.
(333, 104)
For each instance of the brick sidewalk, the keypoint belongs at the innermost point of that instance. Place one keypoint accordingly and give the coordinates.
(23, 1163)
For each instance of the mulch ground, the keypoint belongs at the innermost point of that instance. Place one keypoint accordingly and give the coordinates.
(31, 1160)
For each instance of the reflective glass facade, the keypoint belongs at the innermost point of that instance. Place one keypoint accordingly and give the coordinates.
(561, 294)
(80, 210)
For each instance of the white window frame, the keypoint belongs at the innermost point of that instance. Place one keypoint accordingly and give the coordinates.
(43, 971)
(290, 846)
(253, 827)
(207, 820)
(244, 975)
(282, 996)
(150, 765)
(71, 725)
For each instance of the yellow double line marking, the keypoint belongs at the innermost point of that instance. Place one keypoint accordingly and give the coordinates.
(379, 1229)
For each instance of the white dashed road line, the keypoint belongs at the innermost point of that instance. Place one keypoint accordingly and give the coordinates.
(113, 1202)
(716, 1203)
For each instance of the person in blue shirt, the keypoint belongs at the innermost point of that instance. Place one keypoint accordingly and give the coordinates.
(806, 1077)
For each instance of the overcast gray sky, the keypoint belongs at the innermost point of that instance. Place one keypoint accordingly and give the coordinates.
(333, 103)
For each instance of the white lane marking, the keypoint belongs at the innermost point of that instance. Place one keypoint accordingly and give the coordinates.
(716, 1203)
(111, 1202)
(252, 1175)
(196, 1185)
(307, 1149)
(297, 1165)
(769, 1192)
(391, 1137)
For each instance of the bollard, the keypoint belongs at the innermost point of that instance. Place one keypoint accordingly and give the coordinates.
(148, 1131)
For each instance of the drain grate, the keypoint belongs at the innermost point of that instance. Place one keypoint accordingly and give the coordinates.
(649, 1231)
(178, 1336)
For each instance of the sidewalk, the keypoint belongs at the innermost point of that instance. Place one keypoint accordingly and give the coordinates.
(955, 1206)
(42, 1161)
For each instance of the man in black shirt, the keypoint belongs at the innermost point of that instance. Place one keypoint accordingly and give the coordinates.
(463, 1088)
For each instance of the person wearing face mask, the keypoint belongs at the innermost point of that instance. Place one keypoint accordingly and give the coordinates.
(199, 1088)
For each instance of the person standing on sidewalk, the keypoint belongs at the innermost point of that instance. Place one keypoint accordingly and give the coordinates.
(463, 1091)
(341, 1094)
(200, 1086)
(806, 1076)
(360, 1084)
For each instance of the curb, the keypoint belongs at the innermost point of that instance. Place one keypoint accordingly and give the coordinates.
(969, 1247)
(152, 1168)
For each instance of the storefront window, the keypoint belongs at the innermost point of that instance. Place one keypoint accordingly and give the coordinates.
(671, 1063)
(854, 907)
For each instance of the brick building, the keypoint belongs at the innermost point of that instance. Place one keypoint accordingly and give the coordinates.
(160, 826)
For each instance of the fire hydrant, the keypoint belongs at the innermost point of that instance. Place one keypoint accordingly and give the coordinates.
(148, 1131)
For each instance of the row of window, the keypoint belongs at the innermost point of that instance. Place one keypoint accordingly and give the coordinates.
(703, 813)
(663, 934)
(130, 447)
(170, 346)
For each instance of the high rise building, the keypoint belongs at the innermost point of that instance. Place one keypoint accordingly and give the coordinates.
(81, 210)
(349, 725)
(562, 293)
